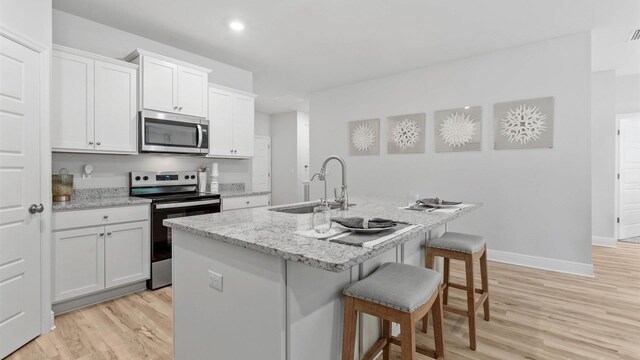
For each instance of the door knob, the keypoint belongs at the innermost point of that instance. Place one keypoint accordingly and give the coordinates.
(36, 209)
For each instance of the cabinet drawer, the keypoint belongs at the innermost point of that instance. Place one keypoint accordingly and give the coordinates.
(244, 202)
(96, 217)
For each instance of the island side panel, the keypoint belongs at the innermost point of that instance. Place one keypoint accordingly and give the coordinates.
(315, 308)
(246, 320)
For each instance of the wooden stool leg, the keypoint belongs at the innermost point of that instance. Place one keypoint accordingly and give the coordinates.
(445, 299)
(349, 330)
(386, 332)
(438, 325)
(407, 337)
(471, 306)
(485, 282)
(430, 263)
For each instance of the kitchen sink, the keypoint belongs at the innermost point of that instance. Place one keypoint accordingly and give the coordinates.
(303, 208)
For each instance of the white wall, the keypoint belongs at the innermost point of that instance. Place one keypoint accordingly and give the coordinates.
(603, 155)
(76, 32)
(628, 94)
(536, 202)
(262, 124)
(29, 18)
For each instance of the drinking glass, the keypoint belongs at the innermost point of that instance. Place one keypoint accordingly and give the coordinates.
(412, 198)
(321, 219)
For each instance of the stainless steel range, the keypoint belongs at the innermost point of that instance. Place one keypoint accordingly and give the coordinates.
(173, 194)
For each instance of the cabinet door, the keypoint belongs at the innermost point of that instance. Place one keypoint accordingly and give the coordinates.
(192, 92)
(127, 253)
(243, 134)
(220, 123)
(115, 108)
(160, 85)
(78, 257)
(72, 102)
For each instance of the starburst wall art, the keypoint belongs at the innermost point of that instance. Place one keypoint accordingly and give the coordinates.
(406, 134)
(458, 129)
(524, 124)
(364, 137)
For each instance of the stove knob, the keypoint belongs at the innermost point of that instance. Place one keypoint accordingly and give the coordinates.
(145, 178)
(186, 177)
(138, 178)
(193, 176)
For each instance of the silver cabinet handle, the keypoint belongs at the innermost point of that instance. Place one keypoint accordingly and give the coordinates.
(175, 108)
(109, 233)
(101, 234)
(90, 142)
(98, 143)
(180, 108)
(105, 217)
(33, 208)
(187, 204)
(248, 202)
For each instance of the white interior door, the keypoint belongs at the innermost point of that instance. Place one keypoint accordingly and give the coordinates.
(629, 177)
(261, 164)
(19, 189)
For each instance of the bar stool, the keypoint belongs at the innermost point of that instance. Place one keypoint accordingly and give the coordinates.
(467, 248)
(397, 293)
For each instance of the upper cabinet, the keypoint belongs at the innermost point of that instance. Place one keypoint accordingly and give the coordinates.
(231, 122)
(93, 103)
(171, 85)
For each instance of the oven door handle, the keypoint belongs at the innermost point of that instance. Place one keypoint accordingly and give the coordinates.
(187, 204)
(199, 136)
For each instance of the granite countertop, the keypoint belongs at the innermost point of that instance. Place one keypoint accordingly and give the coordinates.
(99, 198)
(272, 232)
(236, 193)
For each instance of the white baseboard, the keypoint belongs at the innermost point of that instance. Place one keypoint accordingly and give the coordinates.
(563, 266)
(603, 241)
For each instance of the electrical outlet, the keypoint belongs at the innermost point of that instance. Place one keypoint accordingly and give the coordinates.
(215, 280)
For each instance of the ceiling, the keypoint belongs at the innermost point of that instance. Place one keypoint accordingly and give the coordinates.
(295, 47)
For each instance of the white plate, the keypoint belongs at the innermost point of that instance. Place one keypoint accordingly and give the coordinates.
(368, 231)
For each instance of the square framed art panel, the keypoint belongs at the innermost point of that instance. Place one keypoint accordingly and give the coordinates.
(406, 134)
(364, 137)
(458, 129)
(524, 124)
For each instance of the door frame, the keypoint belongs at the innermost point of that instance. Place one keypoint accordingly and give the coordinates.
(616, 225)
(44, 52)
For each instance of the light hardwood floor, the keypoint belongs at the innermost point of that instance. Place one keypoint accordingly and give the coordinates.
(535, 314)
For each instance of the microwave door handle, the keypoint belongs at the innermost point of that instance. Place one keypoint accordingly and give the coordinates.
(199, 136)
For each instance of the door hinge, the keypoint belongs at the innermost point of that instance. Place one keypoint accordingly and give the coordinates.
(618, 220)
(618, 176)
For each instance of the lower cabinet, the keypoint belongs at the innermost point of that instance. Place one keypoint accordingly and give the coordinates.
(92, 259)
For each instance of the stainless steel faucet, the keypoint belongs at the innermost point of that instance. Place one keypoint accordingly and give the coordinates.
(343, 197)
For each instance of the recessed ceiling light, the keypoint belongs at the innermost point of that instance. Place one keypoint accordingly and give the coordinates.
(236, 25)
(466, 108)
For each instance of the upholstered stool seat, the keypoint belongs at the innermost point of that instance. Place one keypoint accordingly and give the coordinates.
(454, 241)
(397, 293)
(398, 286)
(468, 248)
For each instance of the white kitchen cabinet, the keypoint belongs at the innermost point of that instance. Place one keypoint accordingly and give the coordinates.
(98, 249)
(231, 123)
(245, 202)
(93, 103)
(72, 87)
(171, 85)
(126, 253)
(79, 262)
(115, 108)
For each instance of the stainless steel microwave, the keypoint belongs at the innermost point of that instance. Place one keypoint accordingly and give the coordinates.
(172, 133)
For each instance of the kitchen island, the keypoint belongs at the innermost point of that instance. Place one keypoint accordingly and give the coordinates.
(245, 286)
